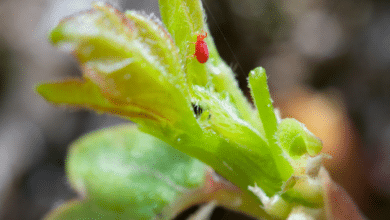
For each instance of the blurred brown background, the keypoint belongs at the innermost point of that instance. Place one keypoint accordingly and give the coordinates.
(328, 63)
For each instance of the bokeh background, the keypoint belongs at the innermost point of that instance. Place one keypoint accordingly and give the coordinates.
(328, 63)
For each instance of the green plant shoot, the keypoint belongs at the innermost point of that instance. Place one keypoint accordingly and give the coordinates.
(138, 68)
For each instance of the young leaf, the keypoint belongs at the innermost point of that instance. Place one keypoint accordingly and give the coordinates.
(263, 102)
(182, 17)
(124, 171)
(185, 19)
(124, 72)
(85, 209)
(296, 140)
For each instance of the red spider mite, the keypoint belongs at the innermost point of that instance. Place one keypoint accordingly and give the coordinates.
(201, 49)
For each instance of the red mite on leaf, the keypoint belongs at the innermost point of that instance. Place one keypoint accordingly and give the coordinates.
(201, 49)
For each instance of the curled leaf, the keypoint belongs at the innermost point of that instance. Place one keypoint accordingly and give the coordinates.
(131, 68)
(296, 140)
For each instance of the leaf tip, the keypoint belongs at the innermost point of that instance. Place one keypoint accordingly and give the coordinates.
(40, 89)
(55, 35)
(257, 73)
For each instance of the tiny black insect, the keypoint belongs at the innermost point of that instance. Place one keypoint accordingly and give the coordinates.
(197, 109)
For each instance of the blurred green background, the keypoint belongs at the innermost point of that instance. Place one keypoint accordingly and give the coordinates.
(328, 63)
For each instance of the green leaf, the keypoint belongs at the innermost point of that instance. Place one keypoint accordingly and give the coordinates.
(158, 42)
(185, 20)
(296, 140)
(81, 210)
(122, 170)
(131, 68)
(263, 102)
(86, 94)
